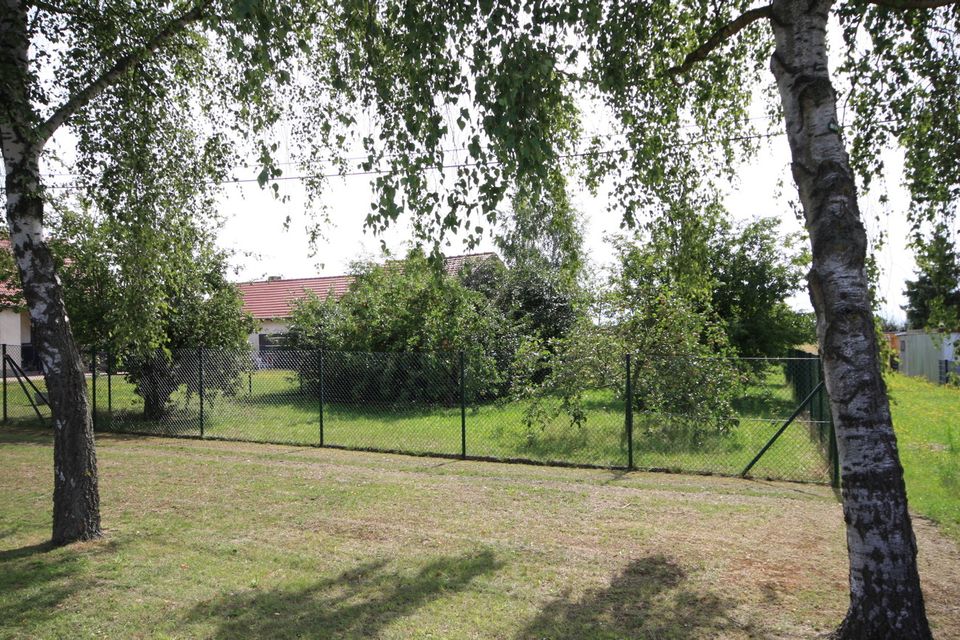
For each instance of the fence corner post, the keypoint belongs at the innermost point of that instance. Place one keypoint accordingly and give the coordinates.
(200, 372)
(93, 384)
(629, 417)
(463, 407)
(321, 391)
(4, 382)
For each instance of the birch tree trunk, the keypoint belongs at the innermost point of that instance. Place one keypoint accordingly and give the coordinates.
(885, 596)
(76, 502)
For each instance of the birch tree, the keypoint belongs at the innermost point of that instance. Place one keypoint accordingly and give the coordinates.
(898, 69)
(142, 89)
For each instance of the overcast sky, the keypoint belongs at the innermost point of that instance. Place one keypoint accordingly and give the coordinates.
(255, 229)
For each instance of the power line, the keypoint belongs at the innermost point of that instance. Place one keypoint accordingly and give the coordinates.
(455, 165)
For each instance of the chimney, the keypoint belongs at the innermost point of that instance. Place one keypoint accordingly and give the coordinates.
(273, 278)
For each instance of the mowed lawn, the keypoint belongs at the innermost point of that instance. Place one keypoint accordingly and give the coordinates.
(212, 539)
(272, 406)
(926, 418)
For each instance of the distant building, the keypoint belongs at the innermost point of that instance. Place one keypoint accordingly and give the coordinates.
(927, 354)
(271, 302)
(15, 330)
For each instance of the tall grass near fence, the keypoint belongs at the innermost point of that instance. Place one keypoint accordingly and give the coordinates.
(421, 404)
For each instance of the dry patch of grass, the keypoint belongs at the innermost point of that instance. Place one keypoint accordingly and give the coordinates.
(233, 540)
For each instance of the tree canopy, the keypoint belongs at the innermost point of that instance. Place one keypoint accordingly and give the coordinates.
(125, 297)
(756, 270)
(933, 298)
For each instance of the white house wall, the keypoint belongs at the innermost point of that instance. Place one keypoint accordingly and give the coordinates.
(10, 328)
(10, 333)
(268, 327)
(25, 336)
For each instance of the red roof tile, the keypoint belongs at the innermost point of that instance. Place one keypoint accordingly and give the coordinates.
(275, 299)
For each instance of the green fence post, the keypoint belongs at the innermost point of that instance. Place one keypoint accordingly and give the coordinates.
(110, 388)
(200, 371)
(321, 396)
(4, 382)
(629, 417)
(93, 368)
(463, 408)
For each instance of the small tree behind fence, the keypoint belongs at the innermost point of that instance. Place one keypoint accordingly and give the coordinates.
(758, 417)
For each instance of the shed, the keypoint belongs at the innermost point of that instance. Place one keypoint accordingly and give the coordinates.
(924, 353)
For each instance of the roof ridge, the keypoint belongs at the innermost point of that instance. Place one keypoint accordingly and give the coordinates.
(350, 275)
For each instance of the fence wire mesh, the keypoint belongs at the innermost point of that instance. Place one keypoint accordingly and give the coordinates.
(709, 415)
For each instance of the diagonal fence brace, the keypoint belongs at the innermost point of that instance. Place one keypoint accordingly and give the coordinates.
(21, 376)
(793, 416)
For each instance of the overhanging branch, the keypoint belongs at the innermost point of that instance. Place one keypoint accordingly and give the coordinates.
(721, 35)
(914, 4)
(49, 7)
(82, 97)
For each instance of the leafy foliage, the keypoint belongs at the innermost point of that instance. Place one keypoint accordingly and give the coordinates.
(149, 305)
(756, 269)
(682, 367)
(410, 306)
(933, 299)
(683, 354)
(536, 298)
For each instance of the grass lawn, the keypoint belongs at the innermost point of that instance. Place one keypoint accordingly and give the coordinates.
(213, 539)
(927, 421)
(271, 406)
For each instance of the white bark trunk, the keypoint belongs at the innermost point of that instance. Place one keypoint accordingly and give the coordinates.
(76, 502)
(885, 596)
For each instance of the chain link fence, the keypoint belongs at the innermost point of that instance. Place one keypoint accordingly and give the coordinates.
(766, 418)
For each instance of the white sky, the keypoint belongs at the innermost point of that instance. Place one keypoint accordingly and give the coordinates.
(255, 224)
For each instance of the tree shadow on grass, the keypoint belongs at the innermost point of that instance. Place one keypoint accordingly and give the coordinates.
(26, 432)
(36, 578)
(650, 598)
(355, 604)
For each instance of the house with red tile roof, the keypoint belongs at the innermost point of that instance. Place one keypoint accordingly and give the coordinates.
(271, 302)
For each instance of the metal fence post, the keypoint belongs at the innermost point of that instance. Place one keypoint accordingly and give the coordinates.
(110, 388)
(463, 408)
(4, 382)
(320, 382)
(93, 368)
(200, 371)
(629, 420)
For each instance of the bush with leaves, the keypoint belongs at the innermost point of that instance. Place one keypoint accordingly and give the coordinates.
(151, 305)
(403, 307)
(551, 378)
(684, 372)
(540, 299)
(755, 269)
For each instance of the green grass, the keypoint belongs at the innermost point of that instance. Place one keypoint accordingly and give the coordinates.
(228, 540)
(926, 418)
(271, 406)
